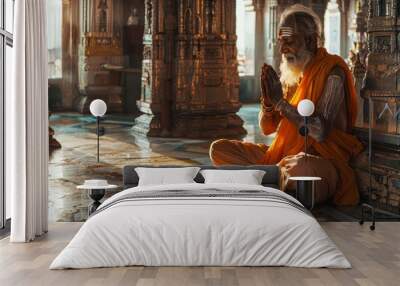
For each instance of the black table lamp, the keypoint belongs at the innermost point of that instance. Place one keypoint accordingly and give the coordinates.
(98, 108)
(305, 108)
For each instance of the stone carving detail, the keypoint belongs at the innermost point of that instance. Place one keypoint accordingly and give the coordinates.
(382, 8)
(385, 72)
(102, 17)
(382, 44)
(383, 59)
(149, 16)
(100, 46)
(190, 83)
(398, 35)
(361, 29)
(210, 14)
(381, 88)
(147, 53)
(359, 70)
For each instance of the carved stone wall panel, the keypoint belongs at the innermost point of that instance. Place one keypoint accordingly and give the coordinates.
(381, 23)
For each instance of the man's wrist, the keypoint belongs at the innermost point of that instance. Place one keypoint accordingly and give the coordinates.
(267, 108)
(279, 106)
(266, 105)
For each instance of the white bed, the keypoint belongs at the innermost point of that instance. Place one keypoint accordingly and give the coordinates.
(185, 230)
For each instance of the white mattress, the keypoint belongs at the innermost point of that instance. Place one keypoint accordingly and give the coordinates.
(200, 231)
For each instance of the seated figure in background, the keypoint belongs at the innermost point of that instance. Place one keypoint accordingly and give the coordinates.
(307, 72)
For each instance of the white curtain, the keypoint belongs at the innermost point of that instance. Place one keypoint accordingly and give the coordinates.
(27, 124)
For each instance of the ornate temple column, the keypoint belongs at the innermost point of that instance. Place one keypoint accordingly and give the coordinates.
(272, 51)
(154, 74)
(333, 28)
(100, 47)
(359, 54)
(382, 89)
(190, 80)
(69, 43)
(358, 69)
(361, 18)
(259, 47)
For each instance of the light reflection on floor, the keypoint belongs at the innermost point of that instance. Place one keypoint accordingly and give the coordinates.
(76, 161)
(119, 146)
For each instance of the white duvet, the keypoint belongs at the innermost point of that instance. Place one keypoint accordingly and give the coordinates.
(200, 231)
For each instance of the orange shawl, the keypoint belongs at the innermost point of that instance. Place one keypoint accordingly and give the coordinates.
(339, 146)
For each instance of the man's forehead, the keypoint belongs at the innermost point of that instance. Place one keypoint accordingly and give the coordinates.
(286, 31)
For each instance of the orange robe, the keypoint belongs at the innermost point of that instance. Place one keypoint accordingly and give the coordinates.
(338, 147)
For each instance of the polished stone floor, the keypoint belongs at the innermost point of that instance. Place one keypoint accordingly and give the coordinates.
(76, 161)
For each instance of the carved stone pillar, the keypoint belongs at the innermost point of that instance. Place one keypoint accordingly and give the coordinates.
(382, 90)
(361, 29)
(69, 43)
(190, 80)
(273, 55)
(358, 69)
(259, 47)
(359, 54)
(100, 47)
(333, 28)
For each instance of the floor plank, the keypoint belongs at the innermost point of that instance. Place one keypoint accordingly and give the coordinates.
(375, 257)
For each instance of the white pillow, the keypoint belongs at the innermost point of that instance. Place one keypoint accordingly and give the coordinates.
(166, 176)
(246, 177)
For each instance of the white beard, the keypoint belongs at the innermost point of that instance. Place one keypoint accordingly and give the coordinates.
(292, 70)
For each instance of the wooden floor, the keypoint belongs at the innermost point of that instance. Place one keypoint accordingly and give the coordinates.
(375, 257)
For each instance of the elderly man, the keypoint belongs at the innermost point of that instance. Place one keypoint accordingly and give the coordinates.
(307, 72)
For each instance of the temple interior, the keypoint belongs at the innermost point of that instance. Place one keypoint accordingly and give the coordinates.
(177, 75)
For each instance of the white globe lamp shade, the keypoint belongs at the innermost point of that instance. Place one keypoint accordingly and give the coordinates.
(98, 108)
(305, 107)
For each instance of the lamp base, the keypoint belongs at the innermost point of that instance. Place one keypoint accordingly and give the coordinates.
(305, 193)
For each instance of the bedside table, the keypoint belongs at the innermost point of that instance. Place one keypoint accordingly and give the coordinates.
(305, 190)
(96, 193)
